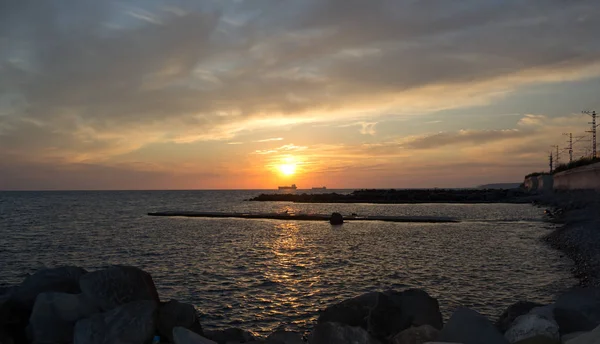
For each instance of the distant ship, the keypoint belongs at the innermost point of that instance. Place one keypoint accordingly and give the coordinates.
(319, 188)
(293, 187)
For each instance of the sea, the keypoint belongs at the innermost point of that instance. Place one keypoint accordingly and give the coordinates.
(263, 275)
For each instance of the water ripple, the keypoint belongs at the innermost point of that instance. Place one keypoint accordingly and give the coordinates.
(260, 274)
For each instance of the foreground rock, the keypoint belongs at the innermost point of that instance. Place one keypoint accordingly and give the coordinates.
(234, 335)
(532, 325)
(578, 310)
(55, 314)
(383, 315)
(284, 337)
(62, 279)
(592, 337)
(132, 323)
(176, 314)
(416, 335)
(466, 326)
(184, 336)
(117, 286)
(514, 311)
(336, 333)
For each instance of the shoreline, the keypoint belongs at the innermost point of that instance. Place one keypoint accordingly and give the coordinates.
(578, 235)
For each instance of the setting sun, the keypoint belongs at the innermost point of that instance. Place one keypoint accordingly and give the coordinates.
(287, 169)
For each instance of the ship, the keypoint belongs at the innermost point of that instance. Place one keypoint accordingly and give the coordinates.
(292, 187)
(319, 188)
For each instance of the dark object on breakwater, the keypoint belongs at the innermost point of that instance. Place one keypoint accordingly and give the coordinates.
(336, 219)
(406, 196)
(305, 217)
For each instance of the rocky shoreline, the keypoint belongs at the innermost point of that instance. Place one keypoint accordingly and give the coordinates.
(578, 236)
(406, 196)
(120, 304)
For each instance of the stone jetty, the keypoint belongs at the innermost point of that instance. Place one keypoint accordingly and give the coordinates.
(120, 305)
(404, 196)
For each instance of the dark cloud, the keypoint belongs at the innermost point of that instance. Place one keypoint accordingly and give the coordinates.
(463, 137)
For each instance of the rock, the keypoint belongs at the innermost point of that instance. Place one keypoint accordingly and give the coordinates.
(578, 310)
(184, 336)
(284, 337)
(336, 219)
(416, 335)
(466, 326)
(132, 323)
(514, 311)
(418, 308)
(62, 279)
(539, 340)
(336, 333)
(230, 335)
(567, 337)
(54, 316)
(173, 314)
(592, 337)
(532, 325)
(385, 314)
(546, 312)
(117, 286)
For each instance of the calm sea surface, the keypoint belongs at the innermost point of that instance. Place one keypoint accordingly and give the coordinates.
(261, 274)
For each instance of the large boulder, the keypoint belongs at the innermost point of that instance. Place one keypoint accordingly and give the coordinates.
(416, 335)
(539, 340)
(62, 280)
(592, 337)
(514, 311)
(284, 337)
(173, 314)
(578, 310)
(54, 316)
(418, 308)
(132, 323)
(532, 325)
(336, 333)
(117, 286)
(184, 336)
(466, 326)
(383, 315)
(230, 335)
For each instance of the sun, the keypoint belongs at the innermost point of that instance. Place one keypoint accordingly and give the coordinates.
(287, 169)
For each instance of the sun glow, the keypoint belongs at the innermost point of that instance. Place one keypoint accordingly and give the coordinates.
(287, 169)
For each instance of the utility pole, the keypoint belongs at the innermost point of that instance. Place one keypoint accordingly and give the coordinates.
(557, 157)
(570, 148)
(593, 131)
(550, 158)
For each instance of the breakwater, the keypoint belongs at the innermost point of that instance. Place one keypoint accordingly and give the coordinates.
(120, 304)
(306, 217)
(393, 196)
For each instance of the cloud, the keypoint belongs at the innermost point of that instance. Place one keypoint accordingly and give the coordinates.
(88, 80)
(368, 128)
(270, 140)
(461, 137)
(532, 120)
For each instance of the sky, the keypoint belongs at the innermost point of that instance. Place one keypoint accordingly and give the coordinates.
(253, 94)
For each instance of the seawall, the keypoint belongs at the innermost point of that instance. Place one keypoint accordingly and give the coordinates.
(580, 178)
